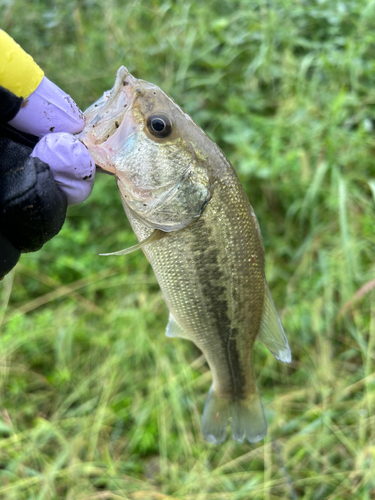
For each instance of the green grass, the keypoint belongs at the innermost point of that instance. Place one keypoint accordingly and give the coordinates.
(95, 402)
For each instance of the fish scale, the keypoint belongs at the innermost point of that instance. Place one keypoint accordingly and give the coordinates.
(198, 230)
(199, 285)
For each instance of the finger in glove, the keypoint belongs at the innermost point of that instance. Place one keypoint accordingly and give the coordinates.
(71, 164)
(32, 207)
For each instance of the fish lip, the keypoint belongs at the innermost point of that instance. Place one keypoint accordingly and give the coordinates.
(123, 79)
(116, 103)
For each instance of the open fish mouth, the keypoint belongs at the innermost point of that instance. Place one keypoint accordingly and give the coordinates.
(107, 115)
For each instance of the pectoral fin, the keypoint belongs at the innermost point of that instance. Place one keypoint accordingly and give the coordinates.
(155, 236)
(271, 332)
(174, 329)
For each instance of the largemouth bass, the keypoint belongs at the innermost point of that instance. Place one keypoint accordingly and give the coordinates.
(197, 228)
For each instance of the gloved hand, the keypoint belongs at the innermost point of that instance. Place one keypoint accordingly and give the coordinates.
(43, 167)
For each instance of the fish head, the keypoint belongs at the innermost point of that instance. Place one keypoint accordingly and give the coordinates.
(157, 153)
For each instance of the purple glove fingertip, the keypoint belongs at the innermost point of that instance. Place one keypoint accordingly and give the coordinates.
(71, 164)
(48, 109)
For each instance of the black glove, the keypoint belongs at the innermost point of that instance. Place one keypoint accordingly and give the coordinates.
(32, 207)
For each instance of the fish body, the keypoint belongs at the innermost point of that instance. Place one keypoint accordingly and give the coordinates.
(199, 232)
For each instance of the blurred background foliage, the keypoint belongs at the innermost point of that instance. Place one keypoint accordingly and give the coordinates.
(95, 402)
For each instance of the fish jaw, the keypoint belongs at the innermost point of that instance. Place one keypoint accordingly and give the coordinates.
(108, 118)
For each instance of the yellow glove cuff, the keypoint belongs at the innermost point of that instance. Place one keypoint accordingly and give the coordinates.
(19, 73)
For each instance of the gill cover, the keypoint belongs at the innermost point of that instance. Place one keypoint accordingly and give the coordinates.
(172, 206)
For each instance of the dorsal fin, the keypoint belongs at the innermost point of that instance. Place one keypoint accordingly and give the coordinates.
(271, 331)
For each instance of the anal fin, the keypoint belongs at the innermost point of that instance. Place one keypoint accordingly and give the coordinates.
(174, 329)
(271, 331)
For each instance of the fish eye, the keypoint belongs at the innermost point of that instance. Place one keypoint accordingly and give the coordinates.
(159, 125)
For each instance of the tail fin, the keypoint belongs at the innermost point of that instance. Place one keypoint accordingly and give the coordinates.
(247, 418)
